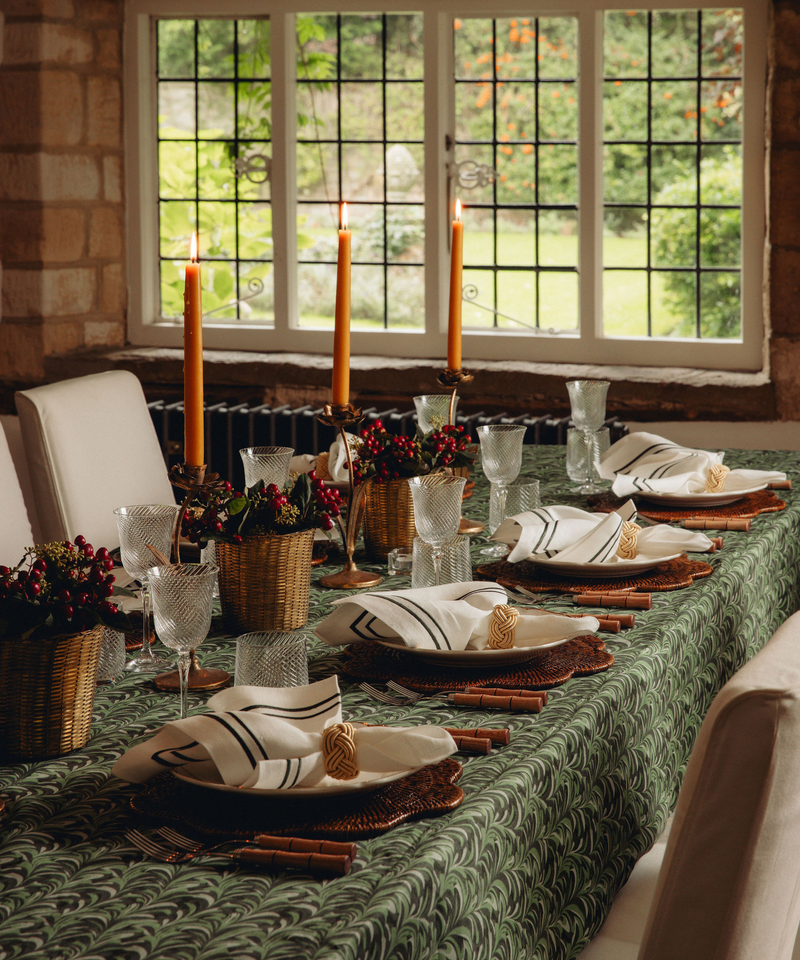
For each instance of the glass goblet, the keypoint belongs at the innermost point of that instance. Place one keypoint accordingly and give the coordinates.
(587, 399)
(437, 512)
(433, 411)
(270, 464)
(182, 597)
(140, 527)
(584, 450)
(501, 458)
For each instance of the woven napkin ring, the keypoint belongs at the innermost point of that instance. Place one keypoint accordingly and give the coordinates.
(715, 481)
(628, 541)
(321, 467)
(502, 627)
(339, 751)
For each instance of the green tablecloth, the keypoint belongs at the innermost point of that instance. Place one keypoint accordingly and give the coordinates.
(526, 867)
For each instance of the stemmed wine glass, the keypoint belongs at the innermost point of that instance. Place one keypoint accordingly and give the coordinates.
(501, 457)
(182, 595)
(437, 512)
(140, 527)
(433, 411)
(588, 403)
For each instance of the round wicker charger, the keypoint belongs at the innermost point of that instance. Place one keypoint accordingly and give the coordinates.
(355, 816)
(579, 657)
(762, 501)
(671, 575)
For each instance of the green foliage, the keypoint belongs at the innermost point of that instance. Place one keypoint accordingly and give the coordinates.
(674, 244)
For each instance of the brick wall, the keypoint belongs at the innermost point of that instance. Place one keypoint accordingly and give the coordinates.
(61, 194)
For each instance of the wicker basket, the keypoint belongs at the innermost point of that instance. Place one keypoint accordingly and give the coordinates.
(264, 582)
(47, 694)
(388, 518)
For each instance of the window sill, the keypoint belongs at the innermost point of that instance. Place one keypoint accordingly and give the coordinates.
(638, 393)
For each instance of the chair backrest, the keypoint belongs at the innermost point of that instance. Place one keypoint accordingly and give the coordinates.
(15, 528)
(729, 887)
(13, 435)
(91, 448)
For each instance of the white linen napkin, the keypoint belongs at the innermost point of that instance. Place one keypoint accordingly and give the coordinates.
(271, 738)
(568, 533)
(455, 616)
(645, 461)
(337, 459)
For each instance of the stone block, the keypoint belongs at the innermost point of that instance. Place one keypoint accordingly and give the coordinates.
(19, 108)
(51, 235)
(104, 112)
(110, 11)
(21, 352)
(114, 290)
(784, 207)
(62, 337)
(103, 333)
(784, 292)
(105, 233)
(61, 108)
(785, 111)
(112, 179)
(109, 49)
(48, 176)
(57, 43)
(62, 9)
(785, 360)
(786, 31)
(48, 292)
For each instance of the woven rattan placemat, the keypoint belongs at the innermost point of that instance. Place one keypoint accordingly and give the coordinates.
(351, 816)
(579, 657)
(672, 575)
(762, 501)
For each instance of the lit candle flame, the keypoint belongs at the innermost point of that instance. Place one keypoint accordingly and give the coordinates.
(343, 217)
(458, 209)
(193, 248)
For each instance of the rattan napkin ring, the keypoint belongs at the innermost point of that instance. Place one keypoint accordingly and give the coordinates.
(628, 541)
(339, 751)
(323, 473)
(715, 481)
(502, 627)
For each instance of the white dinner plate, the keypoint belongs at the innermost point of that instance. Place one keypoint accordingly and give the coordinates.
(603, 571)
(472, 658)
(720, 499)
(327, 787)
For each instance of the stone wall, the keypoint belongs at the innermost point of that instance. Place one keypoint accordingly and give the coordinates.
(61, 246)
(61, 193)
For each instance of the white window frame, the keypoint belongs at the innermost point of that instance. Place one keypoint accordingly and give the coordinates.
(589, 346)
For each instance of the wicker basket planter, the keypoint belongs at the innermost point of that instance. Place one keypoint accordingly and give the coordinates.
(264, 582)
(47, 694)
(388, 518)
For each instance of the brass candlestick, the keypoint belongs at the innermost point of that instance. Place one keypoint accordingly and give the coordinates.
(192, 479)
(349, 577)
(451, 379)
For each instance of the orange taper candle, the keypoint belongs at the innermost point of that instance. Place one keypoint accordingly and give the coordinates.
(456, 268)
(341, 333)
(193, 449)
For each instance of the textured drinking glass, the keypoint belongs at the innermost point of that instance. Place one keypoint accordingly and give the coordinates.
(139, 528)
(501, 457)
(433, 411)
(456, 563)
(182, 597)
(437, 512)
(587, 399)
(583, 458)
(271, 659)
(399, 561)
(519, 496)
(112, 655)
(270, 464)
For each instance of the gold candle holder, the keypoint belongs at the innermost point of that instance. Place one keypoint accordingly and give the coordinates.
(349, 577)
(451, 380)
(192, 479)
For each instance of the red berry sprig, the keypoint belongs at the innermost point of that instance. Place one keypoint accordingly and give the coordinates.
(382, 456)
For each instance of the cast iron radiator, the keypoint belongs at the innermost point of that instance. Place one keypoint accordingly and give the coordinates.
(229, 428)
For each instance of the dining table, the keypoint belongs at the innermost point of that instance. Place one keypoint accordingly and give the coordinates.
(526, 867)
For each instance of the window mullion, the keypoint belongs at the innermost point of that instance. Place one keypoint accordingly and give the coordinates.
(284, 180)
(439, 123)
(590, 174)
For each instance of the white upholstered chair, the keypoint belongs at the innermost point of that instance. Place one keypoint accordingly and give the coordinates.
(91, 447)
(16, 532)
(729, 884)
